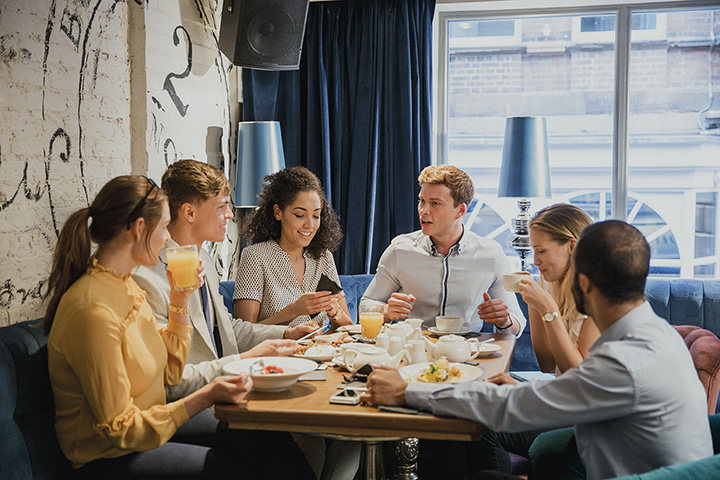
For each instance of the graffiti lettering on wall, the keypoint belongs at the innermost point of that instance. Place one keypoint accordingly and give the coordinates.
(168, 85)
(9, 293)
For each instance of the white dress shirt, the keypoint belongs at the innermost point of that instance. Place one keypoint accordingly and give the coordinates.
(450, 284)
(636, 401)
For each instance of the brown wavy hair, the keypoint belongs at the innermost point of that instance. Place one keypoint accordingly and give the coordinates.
(118, 204)
(460, 185)
(563, 222)
(281, 189)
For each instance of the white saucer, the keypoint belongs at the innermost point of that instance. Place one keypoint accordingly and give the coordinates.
(440, 333)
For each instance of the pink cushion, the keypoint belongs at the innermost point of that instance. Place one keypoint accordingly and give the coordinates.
(704, 349)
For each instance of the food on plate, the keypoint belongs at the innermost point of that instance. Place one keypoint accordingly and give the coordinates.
(270, 369)
(315, 349)
(438, 372)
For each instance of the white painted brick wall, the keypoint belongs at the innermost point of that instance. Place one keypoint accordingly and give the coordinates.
(35, 103)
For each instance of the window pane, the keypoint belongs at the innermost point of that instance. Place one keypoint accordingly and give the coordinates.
(674, 139)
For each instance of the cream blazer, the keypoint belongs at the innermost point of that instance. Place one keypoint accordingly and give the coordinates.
(236, 336)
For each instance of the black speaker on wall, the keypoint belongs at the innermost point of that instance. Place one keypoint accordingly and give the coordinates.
(263, 34)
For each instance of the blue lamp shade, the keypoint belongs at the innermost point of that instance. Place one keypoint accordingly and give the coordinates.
(525, 170)
(260, 153)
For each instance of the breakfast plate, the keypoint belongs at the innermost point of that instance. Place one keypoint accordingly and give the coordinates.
(351, 329)
(467, 372)
(485, 349)
(318, 353)
(438, 332)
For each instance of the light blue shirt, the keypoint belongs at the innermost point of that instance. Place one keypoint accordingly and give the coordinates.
(636, 401)
(450, 284)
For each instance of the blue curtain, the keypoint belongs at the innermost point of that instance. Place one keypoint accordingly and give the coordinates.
(357, 114)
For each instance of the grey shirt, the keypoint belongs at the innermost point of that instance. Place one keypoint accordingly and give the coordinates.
(636, 401)
(450, 284)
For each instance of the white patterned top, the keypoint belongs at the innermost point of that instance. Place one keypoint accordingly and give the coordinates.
(265, 275)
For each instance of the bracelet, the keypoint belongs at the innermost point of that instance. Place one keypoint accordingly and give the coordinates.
(509, 326)
(179, 310)
(333, 317)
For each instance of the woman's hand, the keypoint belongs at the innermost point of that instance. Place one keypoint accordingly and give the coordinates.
(501, 379)
(183, 296)
(228, 389)
(313, 302)
(271, 348)
(536, 296)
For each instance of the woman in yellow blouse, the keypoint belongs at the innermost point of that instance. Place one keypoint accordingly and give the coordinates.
(109, 360)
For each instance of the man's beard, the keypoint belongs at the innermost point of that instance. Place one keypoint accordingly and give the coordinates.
(579, 297)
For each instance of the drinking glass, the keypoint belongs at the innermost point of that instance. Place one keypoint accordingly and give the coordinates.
(183, 264)
(371, 321)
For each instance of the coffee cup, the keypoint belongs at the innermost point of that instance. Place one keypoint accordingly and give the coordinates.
(510, 281)
(451, 324)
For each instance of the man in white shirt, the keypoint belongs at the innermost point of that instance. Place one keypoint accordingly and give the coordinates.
(636, 401)
(444, 269)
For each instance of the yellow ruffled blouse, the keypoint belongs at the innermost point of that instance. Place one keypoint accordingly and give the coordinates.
(108, 362)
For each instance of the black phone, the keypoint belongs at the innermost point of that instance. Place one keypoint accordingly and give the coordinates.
(326, 284)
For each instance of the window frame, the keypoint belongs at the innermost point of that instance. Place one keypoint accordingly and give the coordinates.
(448, 11)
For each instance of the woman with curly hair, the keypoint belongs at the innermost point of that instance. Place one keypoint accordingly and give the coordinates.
(292, 232)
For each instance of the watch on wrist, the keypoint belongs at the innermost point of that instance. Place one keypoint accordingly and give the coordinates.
(550, 316)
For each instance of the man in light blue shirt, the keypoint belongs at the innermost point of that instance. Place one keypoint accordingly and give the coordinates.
(445, 269)
(636, 401)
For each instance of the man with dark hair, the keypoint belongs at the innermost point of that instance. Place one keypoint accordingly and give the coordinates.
(636, 401)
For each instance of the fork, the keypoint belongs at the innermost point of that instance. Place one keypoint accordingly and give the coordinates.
(257, 367)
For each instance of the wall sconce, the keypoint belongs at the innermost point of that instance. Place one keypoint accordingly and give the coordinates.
(525, 173)
(260, 153)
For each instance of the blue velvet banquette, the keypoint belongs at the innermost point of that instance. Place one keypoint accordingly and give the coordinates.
(30, 449)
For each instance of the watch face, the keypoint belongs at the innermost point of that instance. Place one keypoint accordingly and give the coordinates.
(549, 316)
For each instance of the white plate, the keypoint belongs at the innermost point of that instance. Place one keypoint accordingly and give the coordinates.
(485, 349)
(275, 382)
(318, 353)
(469, 372)
(439, 332)
(354, 328)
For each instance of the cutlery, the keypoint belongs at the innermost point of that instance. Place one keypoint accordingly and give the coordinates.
(318, 330)
(491, 339)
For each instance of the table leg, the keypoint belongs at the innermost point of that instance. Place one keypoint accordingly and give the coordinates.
(406, 453)
(372, 466)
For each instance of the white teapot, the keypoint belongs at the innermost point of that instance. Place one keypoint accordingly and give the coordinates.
(355, 359)
(401, 330)
(454, 347)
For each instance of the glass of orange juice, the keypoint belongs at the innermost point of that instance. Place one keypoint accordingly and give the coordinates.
(371, 321)
(183, 264)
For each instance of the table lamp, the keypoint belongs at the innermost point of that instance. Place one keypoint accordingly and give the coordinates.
(260, 153)
(525, 173)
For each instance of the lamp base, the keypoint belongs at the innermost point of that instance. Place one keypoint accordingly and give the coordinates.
(521, 228)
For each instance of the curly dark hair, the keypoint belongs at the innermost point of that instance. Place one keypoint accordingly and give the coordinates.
(281, 189)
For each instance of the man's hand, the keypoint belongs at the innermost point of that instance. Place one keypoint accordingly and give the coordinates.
(272, 348)
(501, 379)
(399, 305)
(300, 331)
(494, 311)
(385, 386)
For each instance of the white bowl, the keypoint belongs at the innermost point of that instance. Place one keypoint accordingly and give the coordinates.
(294, 368)
(318, 352)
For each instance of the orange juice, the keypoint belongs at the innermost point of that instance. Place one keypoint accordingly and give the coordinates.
(183, 263)
(371, 324)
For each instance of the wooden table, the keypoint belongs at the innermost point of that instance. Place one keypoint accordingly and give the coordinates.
(305, 408)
